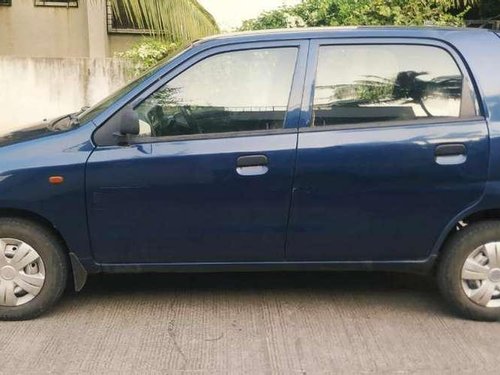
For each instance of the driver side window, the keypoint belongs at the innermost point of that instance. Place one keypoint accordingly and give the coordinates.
(237, 91)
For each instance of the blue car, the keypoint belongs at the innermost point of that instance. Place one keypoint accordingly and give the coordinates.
(314, 149)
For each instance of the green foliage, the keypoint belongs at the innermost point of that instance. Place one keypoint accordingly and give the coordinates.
(171, 23)
(359, 12)
(147, 53)
(274, 19)
(374, 91)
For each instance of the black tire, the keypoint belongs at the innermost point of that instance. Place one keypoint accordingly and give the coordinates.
(53, 255)
(449, 272)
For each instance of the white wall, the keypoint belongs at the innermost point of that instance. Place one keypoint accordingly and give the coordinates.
(27, 30)
(57, 31)
(32, 89)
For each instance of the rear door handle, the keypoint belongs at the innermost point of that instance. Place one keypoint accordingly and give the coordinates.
(252, 165)
(451, 153)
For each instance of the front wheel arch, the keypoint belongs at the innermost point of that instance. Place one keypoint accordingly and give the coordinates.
(78, 275)
(35, 269)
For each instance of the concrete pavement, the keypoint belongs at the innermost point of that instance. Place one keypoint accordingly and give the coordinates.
(272, 323)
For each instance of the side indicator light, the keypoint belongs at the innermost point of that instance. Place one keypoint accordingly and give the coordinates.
(56, 180)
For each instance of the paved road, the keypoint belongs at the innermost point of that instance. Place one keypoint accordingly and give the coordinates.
(303, 323)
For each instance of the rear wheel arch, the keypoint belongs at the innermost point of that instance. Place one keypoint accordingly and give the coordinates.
(490, 214)
(473, 294)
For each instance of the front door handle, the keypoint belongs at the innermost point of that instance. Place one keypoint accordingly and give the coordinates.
(252, 165)
(451, 153)
(252, 160)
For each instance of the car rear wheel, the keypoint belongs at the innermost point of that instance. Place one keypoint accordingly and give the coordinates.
(469, 271)
(33, 269)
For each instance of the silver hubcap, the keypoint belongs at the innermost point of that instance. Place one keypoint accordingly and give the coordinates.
(481, 275)
(22, 272)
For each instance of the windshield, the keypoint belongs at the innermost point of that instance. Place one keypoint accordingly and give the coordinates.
(93, 111)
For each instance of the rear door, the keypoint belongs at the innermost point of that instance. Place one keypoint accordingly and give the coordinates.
(394, 150)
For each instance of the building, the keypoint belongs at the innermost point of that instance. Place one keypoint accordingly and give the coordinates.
(63, 28)
(59, 55)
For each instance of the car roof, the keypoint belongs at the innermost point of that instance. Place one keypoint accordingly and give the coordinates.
(342, 31)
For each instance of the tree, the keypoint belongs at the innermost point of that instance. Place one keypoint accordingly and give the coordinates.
(172, 20)
(363, 12)
(485, 9)
(147, 53)
(172, 24)
(461, 4)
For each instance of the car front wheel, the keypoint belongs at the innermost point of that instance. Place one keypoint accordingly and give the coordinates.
(33, 269)
(469, 271)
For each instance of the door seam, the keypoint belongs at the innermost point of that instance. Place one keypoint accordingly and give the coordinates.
(294, 168)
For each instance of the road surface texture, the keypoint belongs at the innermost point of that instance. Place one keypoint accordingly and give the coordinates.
(252, 323)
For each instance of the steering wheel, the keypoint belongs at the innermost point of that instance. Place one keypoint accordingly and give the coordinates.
(191, 122)
(161, 124)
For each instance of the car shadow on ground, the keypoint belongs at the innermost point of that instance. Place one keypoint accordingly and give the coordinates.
(399, 292)
(251, 281)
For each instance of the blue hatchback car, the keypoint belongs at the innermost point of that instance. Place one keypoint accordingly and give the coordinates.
(313, 149)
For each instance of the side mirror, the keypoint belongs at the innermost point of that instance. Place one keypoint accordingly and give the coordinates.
(126, 124)
(129, 121)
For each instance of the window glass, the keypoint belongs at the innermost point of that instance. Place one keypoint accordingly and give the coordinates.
(61, 3)
(230, 92)
(368, 83)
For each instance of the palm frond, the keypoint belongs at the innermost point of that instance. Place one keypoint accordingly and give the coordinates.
(175, 20)
(460, 4)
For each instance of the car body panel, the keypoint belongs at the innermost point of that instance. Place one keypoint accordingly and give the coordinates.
(24, 186)
(185, 202)
(26, 165)
(483, 68)
(378, 194)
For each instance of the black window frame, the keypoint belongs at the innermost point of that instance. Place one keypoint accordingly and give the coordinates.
(5, 3)
(125, 29)
(57, 3)
(101, 135)
(469, 89)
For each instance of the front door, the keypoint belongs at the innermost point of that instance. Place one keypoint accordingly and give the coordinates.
(209, 177)
(394, 152)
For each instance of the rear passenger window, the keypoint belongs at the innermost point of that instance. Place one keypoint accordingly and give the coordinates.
(379, 83)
